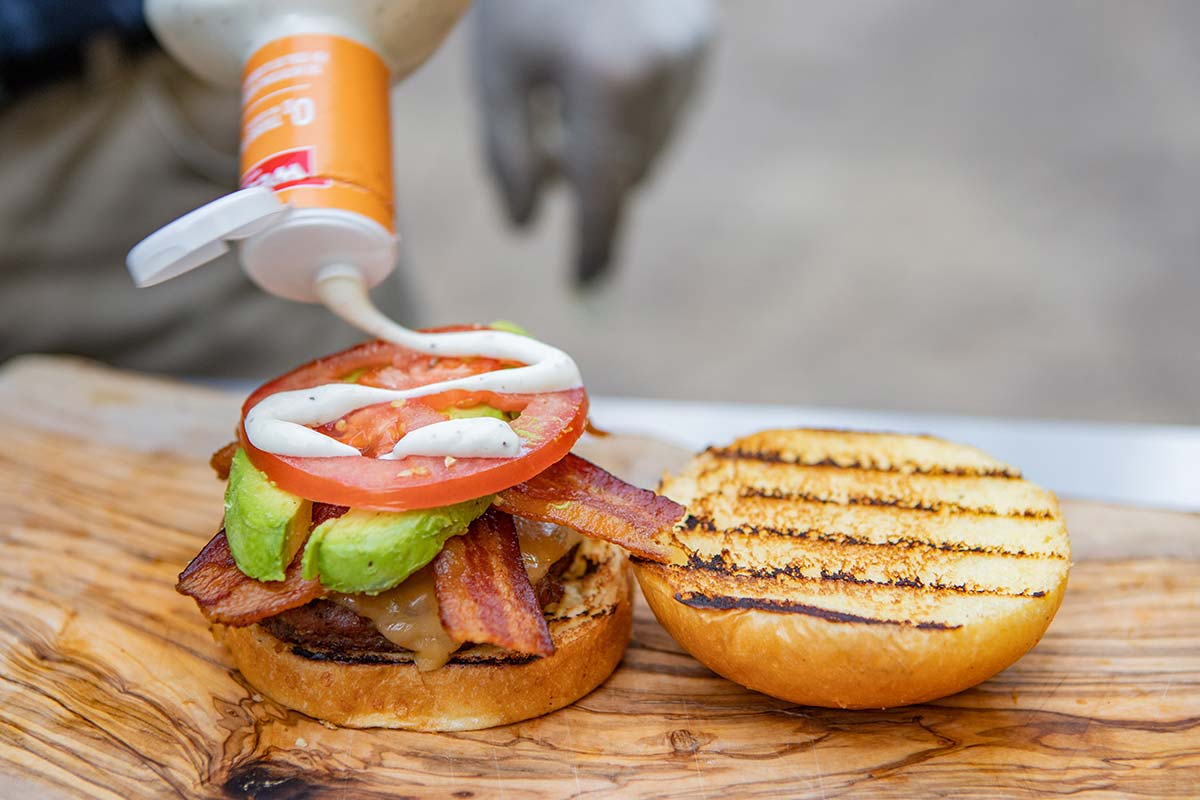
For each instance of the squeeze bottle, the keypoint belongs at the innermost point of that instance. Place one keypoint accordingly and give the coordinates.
(316, 165)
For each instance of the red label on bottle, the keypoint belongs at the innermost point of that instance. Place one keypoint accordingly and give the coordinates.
(295, 167)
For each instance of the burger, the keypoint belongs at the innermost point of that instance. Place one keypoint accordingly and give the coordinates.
(397, 589)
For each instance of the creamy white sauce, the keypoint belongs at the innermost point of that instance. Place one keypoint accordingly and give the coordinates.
(280, 423)
(482, 437)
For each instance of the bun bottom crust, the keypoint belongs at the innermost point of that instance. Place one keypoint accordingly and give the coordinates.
(817, 662)
(488, 687)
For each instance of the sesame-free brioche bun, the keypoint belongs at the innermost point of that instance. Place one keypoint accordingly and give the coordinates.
(480, 687)
(858, 570)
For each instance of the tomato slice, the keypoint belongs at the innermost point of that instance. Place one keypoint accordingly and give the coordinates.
(548, 424)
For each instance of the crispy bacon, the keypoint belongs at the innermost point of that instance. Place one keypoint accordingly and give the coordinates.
(227, 596)
(483, 592)
(222, 460)
(594, 431)
(578, 494)
(325, 511)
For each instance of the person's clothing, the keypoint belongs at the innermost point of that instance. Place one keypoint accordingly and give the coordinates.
(45, 41)
(89, 166)
(36, 27)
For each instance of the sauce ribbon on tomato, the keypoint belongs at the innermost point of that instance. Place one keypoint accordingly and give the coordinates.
(361, 429)
(547, 424)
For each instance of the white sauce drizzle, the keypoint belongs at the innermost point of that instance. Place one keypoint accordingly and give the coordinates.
(279, 423)
(481, 437)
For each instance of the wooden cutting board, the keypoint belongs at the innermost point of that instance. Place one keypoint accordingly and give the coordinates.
(111, 687)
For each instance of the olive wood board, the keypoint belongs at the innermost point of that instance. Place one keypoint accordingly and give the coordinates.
(111, 686)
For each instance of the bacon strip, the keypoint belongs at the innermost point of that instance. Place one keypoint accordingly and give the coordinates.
(578, 494)
(222, 460)
(227, 596)
(483, 592)
(322, 512)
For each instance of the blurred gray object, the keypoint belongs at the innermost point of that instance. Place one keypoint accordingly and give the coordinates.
(1153, 466)
(980, 208)
(977, 208)
(118, 142)
(590, 90)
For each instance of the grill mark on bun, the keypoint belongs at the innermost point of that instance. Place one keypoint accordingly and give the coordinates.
(594, 613)
(731, 602)
(911, 504)
(866, 524)
(863, 528)
(704, 523)
(367, 657)
(468, 655)
(939, 493)
(896, 601)
(865, 464)
(720, 565)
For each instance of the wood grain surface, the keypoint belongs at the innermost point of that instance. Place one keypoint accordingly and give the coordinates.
(111, 687)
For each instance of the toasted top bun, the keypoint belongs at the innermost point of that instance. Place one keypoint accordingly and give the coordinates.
(858, 570)
(480, 687)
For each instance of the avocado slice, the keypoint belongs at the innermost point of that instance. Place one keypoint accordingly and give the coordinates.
(481, 410)
(371, 551)
(264, 524)
(508, 326)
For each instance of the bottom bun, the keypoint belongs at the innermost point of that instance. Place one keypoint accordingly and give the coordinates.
(479, 688)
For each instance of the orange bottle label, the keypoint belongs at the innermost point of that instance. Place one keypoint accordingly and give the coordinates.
(315, 125)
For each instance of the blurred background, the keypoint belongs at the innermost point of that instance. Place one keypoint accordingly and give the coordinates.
(896, 204)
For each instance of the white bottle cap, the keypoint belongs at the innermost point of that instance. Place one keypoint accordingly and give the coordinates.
(203, 235)
(283, 248)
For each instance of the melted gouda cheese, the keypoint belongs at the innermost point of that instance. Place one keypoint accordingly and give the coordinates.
(407, 615)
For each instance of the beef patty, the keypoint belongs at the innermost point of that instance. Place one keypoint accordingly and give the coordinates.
(328, 626)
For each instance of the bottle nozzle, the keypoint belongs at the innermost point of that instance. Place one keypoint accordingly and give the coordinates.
(342, 288)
